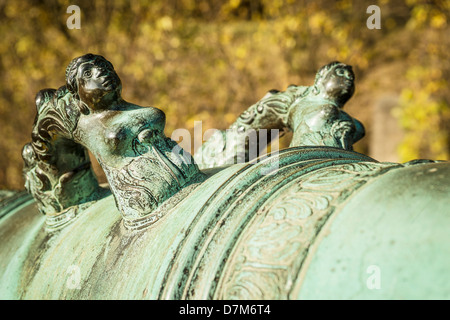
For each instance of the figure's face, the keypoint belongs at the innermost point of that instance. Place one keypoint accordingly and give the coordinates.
(338, 83)
(98, 83)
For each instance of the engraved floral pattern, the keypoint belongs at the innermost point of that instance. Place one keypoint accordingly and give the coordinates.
(271, 253)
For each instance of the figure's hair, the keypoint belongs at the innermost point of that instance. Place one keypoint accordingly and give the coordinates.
(324, 70)
(72, 69)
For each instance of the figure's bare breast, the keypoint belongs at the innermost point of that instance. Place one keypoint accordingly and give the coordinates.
(112, 132)
(321, 116)
(312, 117)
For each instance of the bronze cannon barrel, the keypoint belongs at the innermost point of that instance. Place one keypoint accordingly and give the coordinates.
(318, 223)
(312, 221)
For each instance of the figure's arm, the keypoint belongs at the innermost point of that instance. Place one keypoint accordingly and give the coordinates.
(254, 129)
(269, 113)
(55, 166)
(347, 130)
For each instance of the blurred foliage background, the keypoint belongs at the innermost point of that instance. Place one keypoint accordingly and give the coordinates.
(209, 60)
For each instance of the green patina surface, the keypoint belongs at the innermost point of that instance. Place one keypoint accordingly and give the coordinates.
(244, 235)
(315, 220)
(113, 262)
(396, 230)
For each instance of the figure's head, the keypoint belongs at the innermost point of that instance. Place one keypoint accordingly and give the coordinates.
(335, 81)
(92, 79)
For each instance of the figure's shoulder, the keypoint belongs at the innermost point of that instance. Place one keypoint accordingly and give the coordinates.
(288, 96)
(298, 91)
(44, 97)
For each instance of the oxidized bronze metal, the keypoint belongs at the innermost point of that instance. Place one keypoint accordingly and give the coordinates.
(310, 221)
